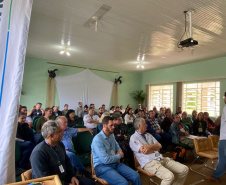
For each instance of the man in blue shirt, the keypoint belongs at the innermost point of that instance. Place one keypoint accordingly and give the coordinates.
(67, 141)
(106, 154)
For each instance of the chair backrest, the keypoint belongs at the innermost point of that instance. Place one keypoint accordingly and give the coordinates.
(102, 181)
(138, 167)
(131, 131)
(202, 144)
(17, 153)
(136, 163)
(92, 168)
(79, 126)
(82, 142)
(26, 175)
(35, 120)
(80, 121)
(214, 139)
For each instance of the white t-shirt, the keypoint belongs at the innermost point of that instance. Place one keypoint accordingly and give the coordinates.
(28, 119)
(129, 118)
(90, 125)
(223, 125)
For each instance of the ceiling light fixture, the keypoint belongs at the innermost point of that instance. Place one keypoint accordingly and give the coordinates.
(140, 60)
(140, 65)
(65, 51)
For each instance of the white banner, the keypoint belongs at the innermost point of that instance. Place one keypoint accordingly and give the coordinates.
(85, 87)
(14, 25)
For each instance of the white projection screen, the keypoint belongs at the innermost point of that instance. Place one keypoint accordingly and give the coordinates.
(85, 87)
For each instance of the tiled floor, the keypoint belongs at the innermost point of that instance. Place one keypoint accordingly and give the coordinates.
(192, 177)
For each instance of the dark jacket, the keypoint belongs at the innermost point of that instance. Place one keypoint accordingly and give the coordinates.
(71, 123)
(122, 130)
(166, 123)
(24, 132)
(59, 113)
(196, 125)
(36, 113)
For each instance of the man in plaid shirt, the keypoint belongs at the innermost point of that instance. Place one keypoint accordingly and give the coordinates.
(155, 130)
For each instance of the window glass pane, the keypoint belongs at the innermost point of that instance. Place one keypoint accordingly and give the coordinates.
(202, 97)
(161, 96)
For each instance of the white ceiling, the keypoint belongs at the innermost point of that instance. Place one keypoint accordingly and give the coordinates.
(130, 27)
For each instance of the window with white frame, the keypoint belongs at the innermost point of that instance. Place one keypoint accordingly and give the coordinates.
(202, 97)
(161, 96)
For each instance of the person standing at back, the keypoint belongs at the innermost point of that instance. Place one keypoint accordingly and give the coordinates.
(79, 110)
(221, 165)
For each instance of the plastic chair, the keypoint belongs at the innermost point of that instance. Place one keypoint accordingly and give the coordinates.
(18, 171)
(139, 169)
(204, 149)
(82, 145)
(214, 139)
(80, 121)
(102, 181)
(131, 131)
(17, 153)
(35, 120)
(26, 175)
(79, 126)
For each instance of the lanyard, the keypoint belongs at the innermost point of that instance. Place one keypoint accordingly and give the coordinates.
(142, 136)
(54, 152)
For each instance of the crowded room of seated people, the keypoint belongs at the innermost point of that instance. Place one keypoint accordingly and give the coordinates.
(118, 142)
(118, 92)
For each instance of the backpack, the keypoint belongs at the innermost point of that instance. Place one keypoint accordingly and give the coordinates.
(179, 154)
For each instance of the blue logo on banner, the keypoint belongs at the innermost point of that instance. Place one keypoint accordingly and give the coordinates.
(1, 6)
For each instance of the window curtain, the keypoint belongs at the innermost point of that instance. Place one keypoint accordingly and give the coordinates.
(50, 92)
(85, 87)
(115, 94)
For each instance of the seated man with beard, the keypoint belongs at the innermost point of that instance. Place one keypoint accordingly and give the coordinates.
(106, 153)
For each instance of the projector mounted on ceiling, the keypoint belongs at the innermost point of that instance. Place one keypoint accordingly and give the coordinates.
(190, 41)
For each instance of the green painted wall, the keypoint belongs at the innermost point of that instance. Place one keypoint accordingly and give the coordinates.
(35, 79)
(200, 71)
(35, 82)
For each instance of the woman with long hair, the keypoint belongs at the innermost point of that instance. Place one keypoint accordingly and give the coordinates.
(129, 118)
(194, 115)
(71, 120)
(200, 125)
